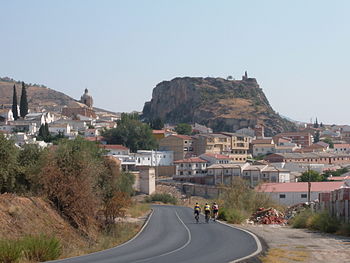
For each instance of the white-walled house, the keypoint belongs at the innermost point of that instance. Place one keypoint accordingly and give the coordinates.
(154, 158)
(115, 149)
(295, 193)
(56, 128)
(254, 174)
(194, 166)
(213, 158)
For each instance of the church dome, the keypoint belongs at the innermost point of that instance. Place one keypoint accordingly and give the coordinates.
(86, 98)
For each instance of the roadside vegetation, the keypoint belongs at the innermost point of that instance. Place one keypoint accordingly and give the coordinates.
(162, 197)
(30, 248)
(320, 221)
(239, 201)
(79, 183)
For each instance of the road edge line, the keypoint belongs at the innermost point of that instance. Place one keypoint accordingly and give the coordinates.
(257, 240)
(173, 251)
(101, 251)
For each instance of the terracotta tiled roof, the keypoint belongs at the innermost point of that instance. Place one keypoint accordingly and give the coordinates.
(341, 145)
(113, 147)
(299, 187)
(217, 156)
(262, 141)
(191, 160)
(158, 131)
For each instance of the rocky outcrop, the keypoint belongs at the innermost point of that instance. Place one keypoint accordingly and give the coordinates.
(224, 105)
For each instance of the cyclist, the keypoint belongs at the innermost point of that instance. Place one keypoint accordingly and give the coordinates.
(207, 212)
(215, 209)
(197, 210)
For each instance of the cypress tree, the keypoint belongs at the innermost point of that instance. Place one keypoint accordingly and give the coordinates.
(14, 103)
(23, 107)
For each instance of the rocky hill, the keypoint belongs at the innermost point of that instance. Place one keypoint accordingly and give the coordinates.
(224, 105)
(39, 96)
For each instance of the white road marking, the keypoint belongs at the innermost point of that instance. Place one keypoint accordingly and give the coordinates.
(258, 243)
(173, 251)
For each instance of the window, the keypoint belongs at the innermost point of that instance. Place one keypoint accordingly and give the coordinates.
(181, 173)
(282, 196)
(182, 165)
(303, 195)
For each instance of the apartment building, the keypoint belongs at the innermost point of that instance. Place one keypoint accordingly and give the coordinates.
(180, 145)
(239, 144)
(211, 143)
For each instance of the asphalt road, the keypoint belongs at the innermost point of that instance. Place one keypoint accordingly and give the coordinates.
(171, 235)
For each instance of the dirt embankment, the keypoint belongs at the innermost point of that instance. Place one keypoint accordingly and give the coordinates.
(20, 216)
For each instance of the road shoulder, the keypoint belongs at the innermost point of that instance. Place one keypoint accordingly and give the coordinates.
(299, 245)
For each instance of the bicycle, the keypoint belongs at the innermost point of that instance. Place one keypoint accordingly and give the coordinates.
(215, 216)
(197, 217)
(207, 217)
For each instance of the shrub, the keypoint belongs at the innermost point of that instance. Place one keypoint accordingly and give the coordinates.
(10, 251)
(233, 216)
(301, 219)
(41, 248)
(164, 198)
(324, 222)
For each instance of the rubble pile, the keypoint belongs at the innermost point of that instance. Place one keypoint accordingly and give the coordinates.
(293, 210)
(268, 216)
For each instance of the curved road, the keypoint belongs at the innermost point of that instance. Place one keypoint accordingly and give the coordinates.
(171, 235)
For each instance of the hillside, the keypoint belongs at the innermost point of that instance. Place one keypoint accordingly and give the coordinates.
(39, 96)
(224, 105)
(20, 216)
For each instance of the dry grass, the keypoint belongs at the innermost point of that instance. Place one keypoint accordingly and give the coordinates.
(278, 255)
(138, 209)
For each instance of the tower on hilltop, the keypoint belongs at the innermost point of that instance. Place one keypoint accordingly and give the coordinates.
(245, 76)
(87, 99)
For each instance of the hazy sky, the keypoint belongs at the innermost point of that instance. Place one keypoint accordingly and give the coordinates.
(120, 50)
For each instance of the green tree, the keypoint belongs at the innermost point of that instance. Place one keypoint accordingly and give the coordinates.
(329, 141)
(132, 133)
(23, 107)
(8, 164)
(317, 136)
(183, 128)
(157, 124)
(29, 164)
(14, 103)
(311, 176)
(316, 124)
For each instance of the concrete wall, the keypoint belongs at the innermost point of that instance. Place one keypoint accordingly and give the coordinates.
(147, 180)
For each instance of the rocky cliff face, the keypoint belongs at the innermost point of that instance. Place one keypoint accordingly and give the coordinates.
(224, 105)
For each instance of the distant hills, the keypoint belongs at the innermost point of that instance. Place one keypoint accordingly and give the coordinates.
(39, 96)
(224, 105)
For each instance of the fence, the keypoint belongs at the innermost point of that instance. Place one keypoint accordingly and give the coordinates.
(336, 203)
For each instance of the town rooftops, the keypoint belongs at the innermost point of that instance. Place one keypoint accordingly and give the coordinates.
(212, 135)
(113, 147)
(338, 178)
(263, 141)
(227, 165)
(158, 131)
(217, 156)
(341, 145)
(308, 155)
(299, 187)
(191, 160)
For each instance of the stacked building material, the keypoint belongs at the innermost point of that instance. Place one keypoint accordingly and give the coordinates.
(268, 216)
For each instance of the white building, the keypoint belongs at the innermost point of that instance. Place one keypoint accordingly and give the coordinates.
(115, 149)
(154, 158)
(56, 128)
(190, 167)
(213, 158)
(295, 193)
(341, 148)
(254, 174)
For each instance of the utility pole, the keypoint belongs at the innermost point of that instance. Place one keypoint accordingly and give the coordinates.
(309, 185)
